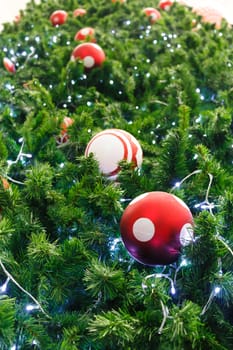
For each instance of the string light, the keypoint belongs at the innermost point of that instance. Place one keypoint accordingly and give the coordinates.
(29, 306)
(216, 290)
(165, 316)
(206, 205)
(183, 263)
(20, 157)
(3, 288)
(160, 275)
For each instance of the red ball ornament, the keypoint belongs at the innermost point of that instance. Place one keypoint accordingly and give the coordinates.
(112, 146)
(85, 33)
(58, 17)
(9, 65)
(120, 1)
(17, 18)
(165, 4)
(153, 14)
(79, 12)
(91, 54)
(155, 226)
(5, 183)
(63, 138)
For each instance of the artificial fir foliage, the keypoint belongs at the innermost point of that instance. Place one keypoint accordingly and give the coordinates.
(66, 280)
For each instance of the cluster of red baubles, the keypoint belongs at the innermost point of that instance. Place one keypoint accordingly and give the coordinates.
(153, 14)
(89, 53)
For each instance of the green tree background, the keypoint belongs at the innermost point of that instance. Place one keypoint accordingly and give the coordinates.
(67, 281)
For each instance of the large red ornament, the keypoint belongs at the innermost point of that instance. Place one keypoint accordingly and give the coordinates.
(112, 146)
(9, 65)
(85, 33)
(91, 54)
(165, 4)
(58, 17)
(153, 14)
(155, 226)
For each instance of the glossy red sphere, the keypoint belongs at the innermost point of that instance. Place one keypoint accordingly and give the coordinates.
(79, 12)
(85, 33)
(9, 65)
(91, 54)
(152, 13)
(165, 4)
(155, 226)
(58, 17)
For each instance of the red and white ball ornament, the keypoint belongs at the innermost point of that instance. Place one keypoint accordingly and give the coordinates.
(79, 12)
(64, 136)
(120, 1)
(165, 4)
(91, 54)
(58, 17)
(155, 226)
(112, 146)
(153, 14)
(86, 33)
(9, 65)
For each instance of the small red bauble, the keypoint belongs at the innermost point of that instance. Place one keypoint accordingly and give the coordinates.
(155, 226)
(91, 54)
(67, 122)
(9, 65)
(165, 4)
(152, 13)
(112, 146)
(58, 17)
(120, 1)
(5, 183)
(79, 12)
(85, 33)
(17, 18)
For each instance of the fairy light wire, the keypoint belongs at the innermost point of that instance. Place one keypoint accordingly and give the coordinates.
(207, 206)
(9, 276)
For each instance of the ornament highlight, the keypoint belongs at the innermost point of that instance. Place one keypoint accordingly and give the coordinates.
(165, 4)
(9, 65)
(58, 17)
(86, 33)
(112, 146)
(155, 226)
(153, 14)
(91, 54)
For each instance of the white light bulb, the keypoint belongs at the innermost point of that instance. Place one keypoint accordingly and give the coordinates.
(173, 290)
(31, 307)
(217, 290)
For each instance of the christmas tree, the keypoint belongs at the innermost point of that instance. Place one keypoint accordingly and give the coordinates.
(159, 80)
